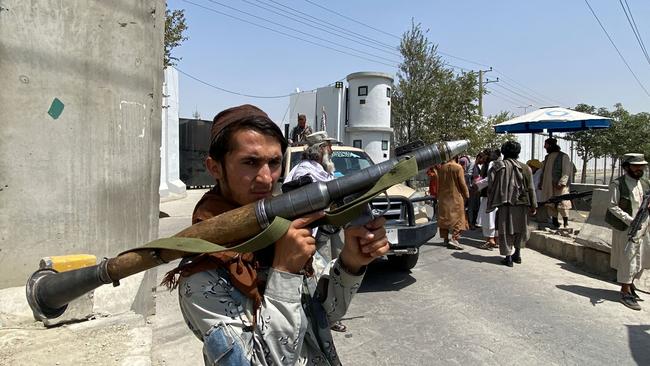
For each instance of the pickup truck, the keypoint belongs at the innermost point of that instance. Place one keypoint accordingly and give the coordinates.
(408, 225)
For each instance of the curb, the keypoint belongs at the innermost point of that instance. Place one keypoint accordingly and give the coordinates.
(566, 249)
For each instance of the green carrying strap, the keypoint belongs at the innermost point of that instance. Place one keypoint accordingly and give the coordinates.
(271, 234)
(402, 171)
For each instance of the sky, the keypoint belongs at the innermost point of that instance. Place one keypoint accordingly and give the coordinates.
(544, 52)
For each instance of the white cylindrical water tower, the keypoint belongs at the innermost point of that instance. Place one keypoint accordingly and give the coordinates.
(368, 127)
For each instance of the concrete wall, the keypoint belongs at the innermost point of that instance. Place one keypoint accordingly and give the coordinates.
(84, 177)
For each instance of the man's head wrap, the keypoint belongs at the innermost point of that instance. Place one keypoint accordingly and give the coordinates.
(233, 115)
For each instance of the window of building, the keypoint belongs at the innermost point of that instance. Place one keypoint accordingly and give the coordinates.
(357, 144)
(387, 92)
(363, 91)
(362, 101)
(384, 145)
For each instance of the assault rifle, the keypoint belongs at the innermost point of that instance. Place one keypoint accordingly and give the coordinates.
(49, 292)
(640, 217)
(565, 197)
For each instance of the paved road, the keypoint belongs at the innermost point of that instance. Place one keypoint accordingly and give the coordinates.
(458, 307)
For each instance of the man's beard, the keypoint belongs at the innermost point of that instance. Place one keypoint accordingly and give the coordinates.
(327, 163)
(636, 175)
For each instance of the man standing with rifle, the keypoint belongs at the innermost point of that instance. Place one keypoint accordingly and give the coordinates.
(630, 243)
(266, 307)
(556, 174)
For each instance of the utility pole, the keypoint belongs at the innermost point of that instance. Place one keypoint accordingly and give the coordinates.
(480, 89)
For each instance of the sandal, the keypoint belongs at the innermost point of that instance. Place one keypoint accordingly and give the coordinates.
(487, 246)
(339, 327)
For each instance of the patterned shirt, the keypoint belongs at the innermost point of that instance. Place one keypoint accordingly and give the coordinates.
(292, 324)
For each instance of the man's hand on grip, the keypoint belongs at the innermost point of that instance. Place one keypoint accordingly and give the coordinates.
(363, 244)
(297, 245)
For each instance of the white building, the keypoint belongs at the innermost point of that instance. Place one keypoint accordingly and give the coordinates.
(171, 187)
(358, 115)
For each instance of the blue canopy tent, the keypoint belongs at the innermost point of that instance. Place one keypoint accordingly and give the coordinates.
(552, 119)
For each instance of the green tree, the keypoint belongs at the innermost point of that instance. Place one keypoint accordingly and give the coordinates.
(431, 102)
(627, 133)
(483, 135)
(414, 94)
(174, 28)
(590, 144)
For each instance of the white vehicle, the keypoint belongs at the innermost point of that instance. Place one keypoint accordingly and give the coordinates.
(408, 225)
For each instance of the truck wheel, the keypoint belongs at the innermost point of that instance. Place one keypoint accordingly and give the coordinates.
(403, 262)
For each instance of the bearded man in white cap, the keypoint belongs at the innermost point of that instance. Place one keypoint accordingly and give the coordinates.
(316, 159)
(317, 164)
(629, 256)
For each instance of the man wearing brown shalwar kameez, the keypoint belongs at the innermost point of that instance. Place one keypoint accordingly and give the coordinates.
(452, 193)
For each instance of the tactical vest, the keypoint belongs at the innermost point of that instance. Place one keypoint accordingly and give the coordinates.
(624, 202)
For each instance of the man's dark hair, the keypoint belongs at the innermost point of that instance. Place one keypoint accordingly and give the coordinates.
(222, 144)
(511, 149)
(552, 145)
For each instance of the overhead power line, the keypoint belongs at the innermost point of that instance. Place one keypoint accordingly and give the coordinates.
(288, 35)
(438, 51)
(242, 94)
(616, 48)
(373, 58)
(505, 79)
(353, 20)
(298, 20)
(519, 95)
(359, 38)
(230, 91)
(334, 26)
(301, 32)
(502, 97)
(514, 100)
(542, 101)
(635, 30)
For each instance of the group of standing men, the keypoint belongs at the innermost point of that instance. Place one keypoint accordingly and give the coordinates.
(499, 193)
(506, 191)
(508, 197)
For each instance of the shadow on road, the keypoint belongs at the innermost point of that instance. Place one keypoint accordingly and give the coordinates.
(595, 295)
(611, 277)
(477, 258)
(382, 277)
(639, 338)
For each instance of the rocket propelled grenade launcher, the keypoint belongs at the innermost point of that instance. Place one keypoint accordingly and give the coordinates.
(49, 293)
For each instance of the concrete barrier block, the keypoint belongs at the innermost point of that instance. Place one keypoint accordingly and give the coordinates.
(597, 262)
(556, 246)
(595, 232)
